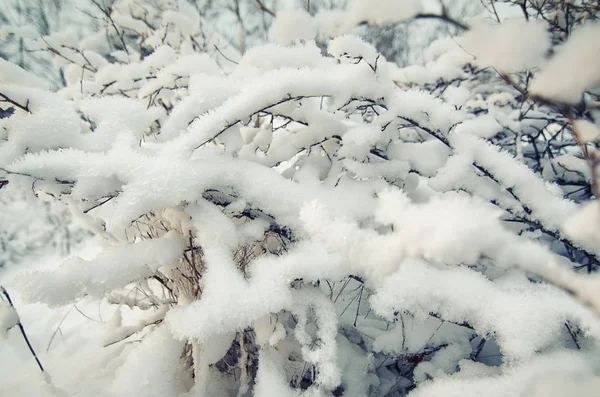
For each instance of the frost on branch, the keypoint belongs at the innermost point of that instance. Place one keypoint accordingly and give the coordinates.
(305, 224)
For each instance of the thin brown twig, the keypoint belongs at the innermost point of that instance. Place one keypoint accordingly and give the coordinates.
(264, 8)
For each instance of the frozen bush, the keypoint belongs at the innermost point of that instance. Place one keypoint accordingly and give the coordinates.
(308, 224)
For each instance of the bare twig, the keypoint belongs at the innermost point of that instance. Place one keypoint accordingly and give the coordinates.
(224, 56)
(572, 335)
(358, 307)
(100, 203)
(20, 324)
(4, 98)
(444, 18)
(58, 328)
(231, 124)
(133, 333)
(264, 8)
(112, 22)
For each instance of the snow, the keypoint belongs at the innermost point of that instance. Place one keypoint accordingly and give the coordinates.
(366, 135)
(483, 126)
(426, 158)
(514, 381)
(8, 318)
(330, 22)
(456, 96)
(411, 224)
(13, 74)
(512, 46)
(272, 56)
(519, 333)
(115, 117)
(561, 385)
(444, 60)
(293, 25)
(586, 131)
(382, 11)
(572, 69)
(426, 110)
(325, 354)
(354, 48)
(275, 87)
(583, 225)
(242, 302)
(443, 363)
(271, 379)
(152, 380)
(113, 268)
(551, 210)
(52, 124)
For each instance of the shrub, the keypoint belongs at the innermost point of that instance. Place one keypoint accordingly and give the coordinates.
(301, 223)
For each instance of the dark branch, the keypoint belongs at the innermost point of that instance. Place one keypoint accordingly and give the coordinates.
(264, 8)
(25, 107)
(20, 324)
(444, 18)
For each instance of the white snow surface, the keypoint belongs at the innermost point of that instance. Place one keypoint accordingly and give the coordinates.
(572, 69)
(511, 46)
(8, 318)
(293, 25)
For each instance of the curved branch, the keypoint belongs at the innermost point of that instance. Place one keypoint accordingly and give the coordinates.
(443, 18)
(229, 125)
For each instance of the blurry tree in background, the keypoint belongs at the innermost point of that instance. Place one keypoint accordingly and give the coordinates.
(404, 42)
(22, 21)
(31, 229)
(243, 24)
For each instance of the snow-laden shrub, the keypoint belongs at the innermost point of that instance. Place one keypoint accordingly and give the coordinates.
(307, 224)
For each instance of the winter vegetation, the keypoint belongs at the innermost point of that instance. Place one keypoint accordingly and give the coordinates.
(285, 211)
